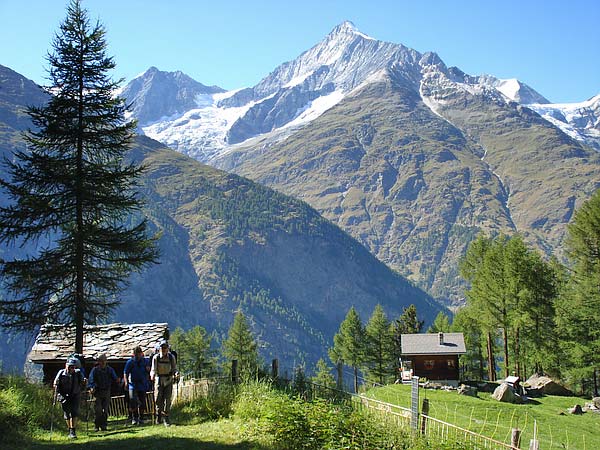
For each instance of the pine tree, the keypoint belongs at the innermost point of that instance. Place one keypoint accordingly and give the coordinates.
(512, 289)
(349, 343)
(194, 353)
(72, 194)
(323, 376)
(241, 345)
(579, 311)
(441, 324)
(407, 323)
(379, 349)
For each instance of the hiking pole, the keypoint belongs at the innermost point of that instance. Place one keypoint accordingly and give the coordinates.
(87, 413)
(54, 398)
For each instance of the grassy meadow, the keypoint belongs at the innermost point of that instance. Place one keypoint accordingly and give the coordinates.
(556, 428)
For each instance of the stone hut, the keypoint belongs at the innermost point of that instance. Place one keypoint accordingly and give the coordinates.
(54, 344)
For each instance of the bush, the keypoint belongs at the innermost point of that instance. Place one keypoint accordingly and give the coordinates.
(254, 400)
(217, 405)
(24, 408)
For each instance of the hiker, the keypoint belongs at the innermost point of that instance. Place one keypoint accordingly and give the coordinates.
(68, 385)
(80, 362)
(136, 374)
(101, 378)
(163, 374)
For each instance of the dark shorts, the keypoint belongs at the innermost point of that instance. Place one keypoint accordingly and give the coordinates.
(70, 406)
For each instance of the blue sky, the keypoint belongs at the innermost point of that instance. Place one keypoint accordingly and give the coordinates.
(551, 45)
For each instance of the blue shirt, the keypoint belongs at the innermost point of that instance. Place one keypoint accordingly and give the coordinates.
(139, 375)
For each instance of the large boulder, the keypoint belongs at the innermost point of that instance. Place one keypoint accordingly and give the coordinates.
(505, 393)
(467, 390)
(547, 385)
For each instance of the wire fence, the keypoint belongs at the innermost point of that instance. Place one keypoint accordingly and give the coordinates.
(440, 424)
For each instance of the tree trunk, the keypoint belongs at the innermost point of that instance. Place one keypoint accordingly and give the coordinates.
(481, 362)
(595, 383)
(79, 249)
(355, 380)
(490, 355)
(517, 355)
(506, 362)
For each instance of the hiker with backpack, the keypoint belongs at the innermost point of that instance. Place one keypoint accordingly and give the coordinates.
(69, 383)
(136, 376)
(101, 378)
(163, 373)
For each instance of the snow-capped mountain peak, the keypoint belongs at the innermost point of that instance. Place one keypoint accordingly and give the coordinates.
(205, 122)
(347, 28)
(156, 94)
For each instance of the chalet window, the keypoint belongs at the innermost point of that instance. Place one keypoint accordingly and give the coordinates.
(451, 364)
(429, 363)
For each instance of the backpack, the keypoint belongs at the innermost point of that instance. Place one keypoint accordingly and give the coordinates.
(67, 385)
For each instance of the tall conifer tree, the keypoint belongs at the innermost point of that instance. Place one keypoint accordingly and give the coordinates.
(579, 311)
(379, 346)
(241, 345)
(72, 192)
(349, 343)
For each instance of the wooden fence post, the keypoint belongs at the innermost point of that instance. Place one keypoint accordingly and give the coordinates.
(424, 412)
(275, 369)
(515, 438)
(234, 371)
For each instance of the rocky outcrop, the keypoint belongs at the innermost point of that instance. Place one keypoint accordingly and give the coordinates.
(546, 386)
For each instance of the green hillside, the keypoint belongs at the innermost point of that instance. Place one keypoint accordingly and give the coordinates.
(227, 243)
(416, 182)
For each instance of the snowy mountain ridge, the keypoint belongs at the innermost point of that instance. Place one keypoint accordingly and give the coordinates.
(206, 122)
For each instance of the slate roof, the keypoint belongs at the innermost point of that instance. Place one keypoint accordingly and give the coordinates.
(429, 344)
(117, 340)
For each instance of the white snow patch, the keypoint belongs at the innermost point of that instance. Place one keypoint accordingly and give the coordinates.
(509, 88)
(223, 95)
(298, 80)
(366, 36)
(317, 107)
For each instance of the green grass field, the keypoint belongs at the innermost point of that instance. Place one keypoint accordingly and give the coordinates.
(556, 429)
(221, 435)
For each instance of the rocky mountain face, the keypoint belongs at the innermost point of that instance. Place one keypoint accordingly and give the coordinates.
(227, 243)
(158, 95)
(409, 156)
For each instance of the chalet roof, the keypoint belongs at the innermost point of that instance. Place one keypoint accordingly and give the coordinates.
(429, 344)
(117, 340)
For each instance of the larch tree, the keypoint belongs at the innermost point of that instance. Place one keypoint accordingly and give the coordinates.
(241, 345)
(579, 310)
(349, 343)
(72, 195)
(441, 324)
(407, 323)
(379, 347)
(194, 354)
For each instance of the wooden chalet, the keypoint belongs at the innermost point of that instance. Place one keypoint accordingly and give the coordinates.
(54, 344)
(434, 355)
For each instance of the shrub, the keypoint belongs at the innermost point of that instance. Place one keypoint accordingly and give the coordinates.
(215, 406)
(24, 408)
(254, 400)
